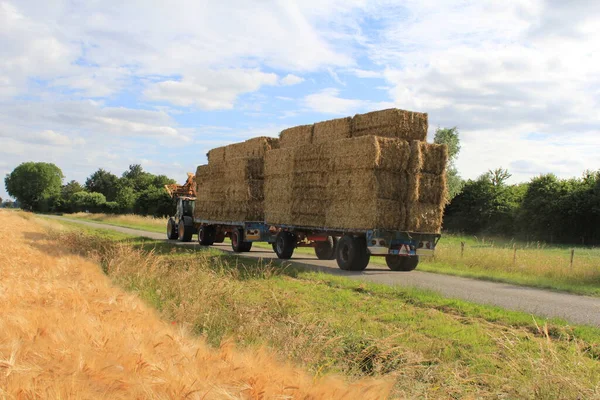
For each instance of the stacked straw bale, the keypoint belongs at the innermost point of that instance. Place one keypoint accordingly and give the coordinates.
(231, 186)
(374, 170)
(371, 171)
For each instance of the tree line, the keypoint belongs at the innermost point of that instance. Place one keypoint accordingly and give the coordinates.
(545, 209)
(38, 186)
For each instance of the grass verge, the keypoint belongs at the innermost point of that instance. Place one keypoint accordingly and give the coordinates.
(431, 346)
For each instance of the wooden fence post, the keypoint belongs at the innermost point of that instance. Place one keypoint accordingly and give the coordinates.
(572, 257)
(462, 249)
(514, 254)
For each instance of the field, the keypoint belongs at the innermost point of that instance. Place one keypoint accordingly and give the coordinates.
(67, 332)
(530, 264)
(424, 345)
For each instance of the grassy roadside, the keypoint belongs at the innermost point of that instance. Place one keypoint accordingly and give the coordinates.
(431, 346)
(527, 264)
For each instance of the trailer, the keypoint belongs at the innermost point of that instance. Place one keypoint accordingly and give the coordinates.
(352, 249)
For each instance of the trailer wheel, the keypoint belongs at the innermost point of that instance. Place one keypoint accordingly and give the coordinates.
(171, 229)
(401, 263)
(237, 242)
(285, 243)
(185, 232)
(326, 250)
(206, 235)
(352, 254)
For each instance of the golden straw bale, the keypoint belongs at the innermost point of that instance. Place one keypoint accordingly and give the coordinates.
(375, 213)
(279, 162)
(217, 155)
(370, 152)
(435, 158)
(296, 136)
(393, 122)
(255, 147)
(332, 130)
(432, 188)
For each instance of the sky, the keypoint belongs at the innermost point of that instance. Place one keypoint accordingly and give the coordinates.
(105, 84)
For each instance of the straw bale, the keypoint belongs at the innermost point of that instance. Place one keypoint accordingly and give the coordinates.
(255, 147)
(393, 122)
(425, 217)
(332, 130)
(435, 158)
(244, 168)
(217, 154)
(370, 152)
(375, 213)
(296, 136)
(360, 185)
(279, 162)
(432, 188)
(415, 161)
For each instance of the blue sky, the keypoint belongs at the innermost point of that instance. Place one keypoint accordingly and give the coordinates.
(93, 85)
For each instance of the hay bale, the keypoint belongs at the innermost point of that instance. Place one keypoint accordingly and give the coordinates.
(279, 162)
(255, 147)
(432, 188)
(370, 152)
(361, 185)
(217, 155)
(425, 217)
(393, 122)
(375, 213)
(332, 130)
(435, 158)
(296, 136)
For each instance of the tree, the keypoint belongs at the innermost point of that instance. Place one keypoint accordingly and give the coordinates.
(136, 177)
(103, 182)
(84, 201)
(450, 137)
(126, 198)
(486, 204)
(154, 201)
(499, 176)
(35, 185)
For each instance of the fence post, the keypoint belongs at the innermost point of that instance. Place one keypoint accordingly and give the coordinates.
(572, 257)
(462, 249)
(514, 254)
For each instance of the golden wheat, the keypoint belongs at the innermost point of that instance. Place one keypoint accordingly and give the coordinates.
(67, 333)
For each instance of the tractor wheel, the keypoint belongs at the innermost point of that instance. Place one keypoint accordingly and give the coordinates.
(185, 232)
(206, 235)
(352, 253)
(285, 243)
(171, 229)
(326, 250)
(402, 263)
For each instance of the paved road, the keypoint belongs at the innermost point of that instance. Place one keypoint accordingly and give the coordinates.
(572, 308)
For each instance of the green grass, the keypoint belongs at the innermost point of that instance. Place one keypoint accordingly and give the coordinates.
(536, 264)
(431, 346)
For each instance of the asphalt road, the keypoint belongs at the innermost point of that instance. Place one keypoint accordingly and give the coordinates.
(573, 308)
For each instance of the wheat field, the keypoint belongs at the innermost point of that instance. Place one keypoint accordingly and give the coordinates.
(66, 332)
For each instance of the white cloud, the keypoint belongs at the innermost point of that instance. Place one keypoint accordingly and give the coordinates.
(500, 71)
(291, 79)
(210, 90)
(328, 101)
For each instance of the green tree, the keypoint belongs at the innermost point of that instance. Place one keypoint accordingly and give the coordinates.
(103, 182)
(137, 178)
(486, 204)
(35, 185)
(85, 201)
(155, 201)
(126, 198)
(450, 137)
